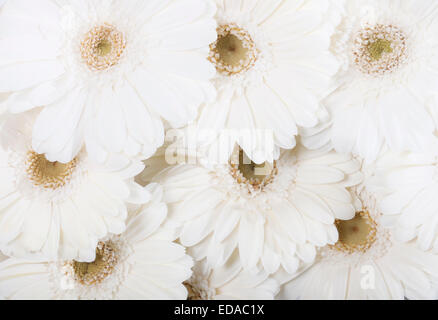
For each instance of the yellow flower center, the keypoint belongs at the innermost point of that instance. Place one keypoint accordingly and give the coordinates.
(234, 51)
(98, 270)
(49, 175)
(102, 47)
(379, 49)
(257, 176)
(357, 234)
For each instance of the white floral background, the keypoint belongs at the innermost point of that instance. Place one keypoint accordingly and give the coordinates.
(219, 149)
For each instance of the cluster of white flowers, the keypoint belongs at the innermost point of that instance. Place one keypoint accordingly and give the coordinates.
(218, 149)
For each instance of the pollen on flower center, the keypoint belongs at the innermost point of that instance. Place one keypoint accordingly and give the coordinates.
(254, 175)
(102, 47)
(98, 270)
(379, 49)
(234, 51)
(49, 175)
(357, 234)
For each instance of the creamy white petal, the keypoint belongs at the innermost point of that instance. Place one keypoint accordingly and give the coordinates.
(277, 222)
(59, 210)
(155, 67)
(385, 101)
(277, 83)
(142, 263)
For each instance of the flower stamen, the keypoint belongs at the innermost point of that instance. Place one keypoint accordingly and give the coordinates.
(256, 176)
(46, 174)
(234, 51)
(102, 47)
(95, 272)
(357, 234)
(379, 49)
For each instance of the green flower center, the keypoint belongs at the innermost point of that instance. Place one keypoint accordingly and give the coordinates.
(380, 49)
(377, 48)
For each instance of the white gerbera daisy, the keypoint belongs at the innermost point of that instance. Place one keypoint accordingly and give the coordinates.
(230, 282)
(274, 65)
(367, 263)
(275, 213)
(141, 263)
(390, 73)
(106, 72)
(57, 209)
(410, 203)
